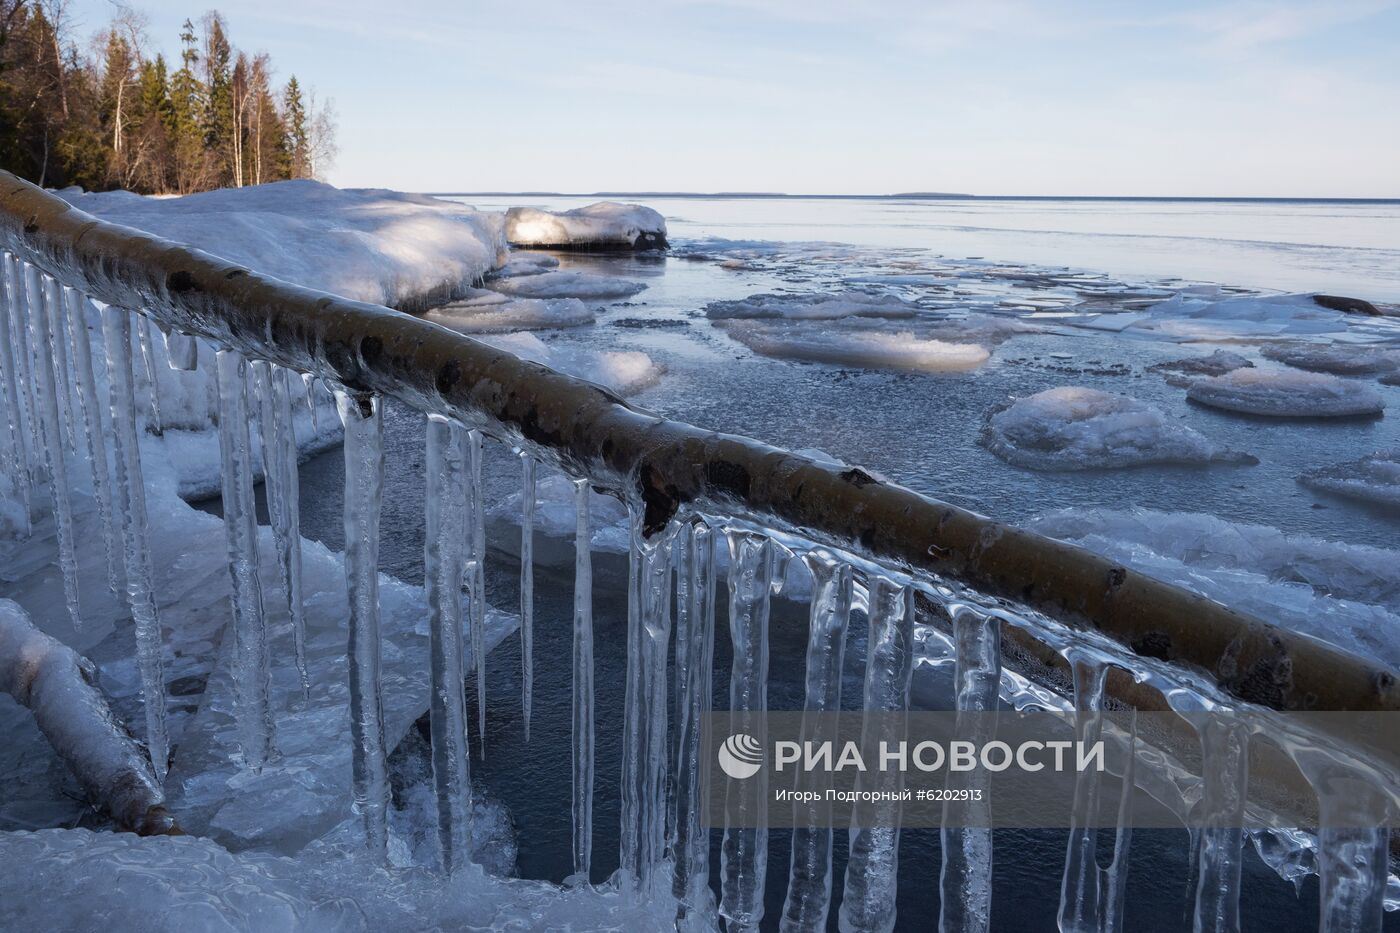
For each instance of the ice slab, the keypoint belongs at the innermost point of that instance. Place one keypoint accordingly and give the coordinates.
(1343, 360)
(623, 371)
(600, 225)
(587, 285)
(1374, 478)
(1286, 394)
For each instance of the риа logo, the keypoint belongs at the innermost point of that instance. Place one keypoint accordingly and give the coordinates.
(740, 756)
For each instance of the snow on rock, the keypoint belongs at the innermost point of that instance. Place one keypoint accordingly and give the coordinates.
(815, 307)
(408, 251)
(1286, 394)
(606, 224)
(1077, 428)
(1374, 478)
(1345, 594)
(488, 312)
(1182, 373)
(1341, 359)
(74, 879)
(588, 285)
(623, 371)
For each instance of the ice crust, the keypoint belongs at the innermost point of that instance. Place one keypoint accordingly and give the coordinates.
(384, 247)
(1345, 594)
(606, 223)
(1286, 394)
(1078, 428)
(1374, 478)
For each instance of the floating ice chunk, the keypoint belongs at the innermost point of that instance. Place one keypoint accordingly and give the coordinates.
(623, 371)
(386, 247)
(870, 348)
(500, 314)
(1345, 594)
(1373, 478)
(597, 226)
(567, 285)
(1340, 359)
(1286, 394)
(1182, 373)
(1077, 428)
(816, 307)
(1202, 314)
(523, 262)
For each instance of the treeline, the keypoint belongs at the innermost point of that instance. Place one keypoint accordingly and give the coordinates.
(115, 116)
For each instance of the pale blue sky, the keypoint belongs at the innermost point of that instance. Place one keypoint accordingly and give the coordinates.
(1240, 97)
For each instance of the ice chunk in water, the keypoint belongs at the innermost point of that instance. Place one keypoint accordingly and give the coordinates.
(606, 223)
(1078, 428)
(623, 371)
(1341, 359)
(869, 348)
(568, 285)
(1286, 394)
(499, 314)
(1374, 478)
(817, 307)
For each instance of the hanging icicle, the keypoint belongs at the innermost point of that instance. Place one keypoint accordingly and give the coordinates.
(1079, 889)
(308, 386)
(695, 652)
(445, 528)
(56, 307)
(47, 396)
(181, 351)
(476, 579)
(251, 661)
(19, 454)
(582, 707)
(808, 901)
(364, 484)
(1353, 844)
(86, 385)
(25, 369)
(966, 876)
(744, 850)
(148, 359)
(873, 864)
(279, 476)
(527, 585)
(1220, 840)
(130, 505)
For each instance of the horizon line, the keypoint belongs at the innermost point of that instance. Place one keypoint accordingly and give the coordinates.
(910, 196)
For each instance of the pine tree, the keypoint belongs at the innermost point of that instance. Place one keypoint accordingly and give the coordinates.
(190, 162)
(298, 142)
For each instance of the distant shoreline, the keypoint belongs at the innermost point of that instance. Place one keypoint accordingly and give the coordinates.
(917, 196)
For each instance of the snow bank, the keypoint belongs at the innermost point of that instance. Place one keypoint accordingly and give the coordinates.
(61, 879)
(623, 371)
(567, 285)
(597, 226)
(1374, 478)
(1342, 359)
(407, 251)
(1345, 594)
(817, 307)
(1077, 428)
(488, 312)
(1286, 394)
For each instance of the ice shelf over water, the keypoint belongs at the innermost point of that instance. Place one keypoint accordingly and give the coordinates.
(385, 247)
(1077, 428)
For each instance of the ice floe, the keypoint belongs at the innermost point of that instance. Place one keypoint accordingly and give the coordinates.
(404, 250)
(492, 312)
(1341, 359)
(1287, 393)
(813, 307)
(587, 285)
(623, 371)
(1341, 593)
(1183, 372)
(1078, 428)
(1374, 478)
(597, 226)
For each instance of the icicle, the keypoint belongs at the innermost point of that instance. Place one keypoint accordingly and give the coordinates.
(251, 661)
(181, 351)
(130, 504)
(695, 654)
(966, 876)
(744, 851)
(645, 756)
(279, 473)
(47, 393)
(527, 585)
(1079, 892)
(476, 578)
(58, 330)
(86, 384)
(1113, 880)
(583, 685)
(148, 359)
(1219, 854)
(364, 482)
(25, 369)
(808, 900)
(1353, 850)
(11, 347)
(308, 384)
(443, 565)
(872, 866)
